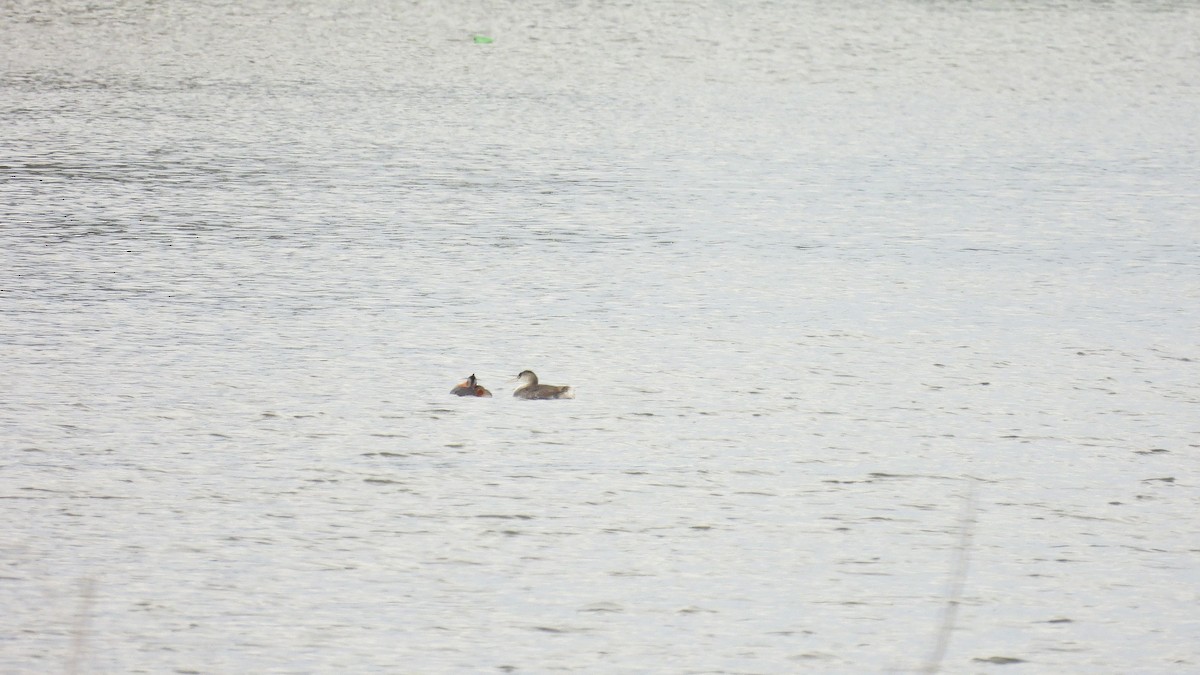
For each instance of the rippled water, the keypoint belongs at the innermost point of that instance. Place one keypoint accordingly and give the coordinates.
(835, 283)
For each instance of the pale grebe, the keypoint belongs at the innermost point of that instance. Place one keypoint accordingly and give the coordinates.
(530, 389)
(469, 387)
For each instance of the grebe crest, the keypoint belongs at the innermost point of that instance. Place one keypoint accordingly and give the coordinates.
(529, 389)
(470, 387)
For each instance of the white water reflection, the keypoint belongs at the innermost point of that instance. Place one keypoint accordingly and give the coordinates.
(813, 271)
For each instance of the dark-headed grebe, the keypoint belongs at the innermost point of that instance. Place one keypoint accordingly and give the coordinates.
(469, 387)
(530, 389)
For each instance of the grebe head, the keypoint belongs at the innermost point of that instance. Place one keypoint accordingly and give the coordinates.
(527, 378)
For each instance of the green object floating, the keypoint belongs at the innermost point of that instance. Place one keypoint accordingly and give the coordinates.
(482, 39)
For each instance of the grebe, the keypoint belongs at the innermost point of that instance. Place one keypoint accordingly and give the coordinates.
(469, 387)
(530, 389)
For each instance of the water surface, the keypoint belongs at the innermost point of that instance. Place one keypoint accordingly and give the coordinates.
(832, 282)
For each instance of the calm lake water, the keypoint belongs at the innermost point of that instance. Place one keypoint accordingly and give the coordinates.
(847, 290)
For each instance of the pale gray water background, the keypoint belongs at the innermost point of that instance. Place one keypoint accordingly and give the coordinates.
(815, 270)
